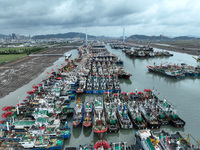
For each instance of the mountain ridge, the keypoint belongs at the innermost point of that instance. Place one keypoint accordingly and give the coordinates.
(63, 35)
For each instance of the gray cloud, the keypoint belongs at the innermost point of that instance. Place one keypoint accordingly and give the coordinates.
(102, 17)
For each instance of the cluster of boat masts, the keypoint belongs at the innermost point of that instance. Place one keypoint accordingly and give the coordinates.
(39, 121)
(136, 51)
(95, 72)
(175, 71)
(125, 110)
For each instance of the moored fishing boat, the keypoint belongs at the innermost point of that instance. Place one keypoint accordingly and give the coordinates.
(99, 123)
(102, 86)
(88, 113)
(85, 147)
(162, 140)
(82, 85)
(124, 97)
(41, 142)
(107, 97)
(135, 116)
(119, 146)
(123, 74)
(120, 61)
(101, 144)
(95, 89)
(170, 113)
(78, 113)
(150, 118)
(111, 117)
(116, 85)
(122, 114)
(158, 112)
(143, 139)
(109, 84)
(89, 85)
(171, 71)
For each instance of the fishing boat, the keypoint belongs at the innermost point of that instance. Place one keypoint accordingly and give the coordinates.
(170, 112)
(122, 114)
(140, 54)
(95, 89)
(111, 117)
(85, 147)
(41, 142)
(116, 85)
(101, 144)
(82, 85)
(120, 61)
(107, 97)
(143, 139)
(124, 97)
(65, 99)
(7, 143)
(158, 112)
(109, 84)
(150, 118)
(88, 113)
(161, 140)
(78, 113)
(123, 74)
(135, 96)
(151, 54)
(170, 71)
(102, 86)
(99, 123)
(56, 90)
(89, 85)
(135, 116)
(119, 146)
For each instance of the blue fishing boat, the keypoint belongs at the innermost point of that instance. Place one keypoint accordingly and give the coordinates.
(122, 114)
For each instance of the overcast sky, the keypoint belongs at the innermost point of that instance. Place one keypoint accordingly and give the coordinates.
(101, 17)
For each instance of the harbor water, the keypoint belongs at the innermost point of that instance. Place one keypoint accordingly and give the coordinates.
(182, 93)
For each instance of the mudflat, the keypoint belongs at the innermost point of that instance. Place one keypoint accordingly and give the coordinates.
(188, 47)
(15, 74)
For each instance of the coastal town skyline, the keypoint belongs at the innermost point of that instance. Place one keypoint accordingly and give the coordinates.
(170, 18)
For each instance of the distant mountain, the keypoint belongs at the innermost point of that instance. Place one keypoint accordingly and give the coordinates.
(145, 37)
(3, 36)
(184, 38)
(63, 35)
(159, 38)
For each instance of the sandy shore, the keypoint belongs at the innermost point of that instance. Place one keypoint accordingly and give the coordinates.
(15, 74)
